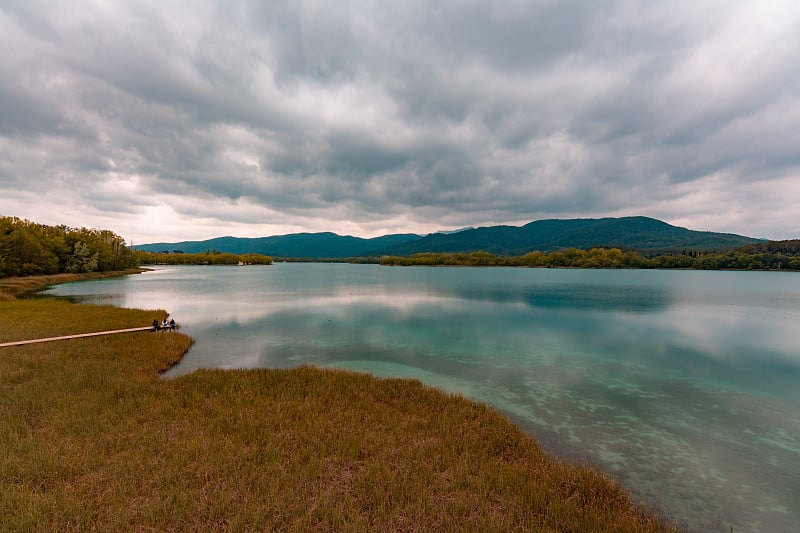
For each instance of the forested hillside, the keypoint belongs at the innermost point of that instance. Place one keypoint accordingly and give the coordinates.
(642, 234)
(28, 248)
(310, 245)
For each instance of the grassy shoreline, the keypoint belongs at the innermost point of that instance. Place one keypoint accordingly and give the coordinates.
(10, 288)
(93, 439)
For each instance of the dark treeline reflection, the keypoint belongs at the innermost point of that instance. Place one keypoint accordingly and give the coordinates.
(585, 297)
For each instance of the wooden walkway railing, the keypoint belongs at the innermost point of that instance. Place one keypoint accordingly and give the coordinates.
(65, 337)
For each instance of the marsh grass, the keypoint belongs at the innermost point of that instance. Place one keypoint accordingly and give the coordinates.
(92, 439)
(10, 288)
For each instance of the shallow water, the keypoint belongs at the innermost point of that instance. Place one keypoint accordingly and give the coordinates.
(685, 385)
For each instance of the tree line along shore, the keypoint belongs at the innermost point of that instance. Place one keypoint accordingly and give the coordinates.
(775, 255)
(28, 248)
(93, 439)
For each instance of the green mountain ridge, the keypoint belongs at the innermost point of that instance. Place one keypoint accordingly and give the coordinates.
(635, 233)
(311, 245)
(638, 233)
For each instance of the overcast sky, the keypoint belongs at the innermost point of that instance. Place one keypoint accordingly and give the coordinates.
(172, 120)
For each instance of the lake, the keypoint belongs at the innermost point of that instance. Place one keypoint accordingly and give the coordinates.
(683, 385)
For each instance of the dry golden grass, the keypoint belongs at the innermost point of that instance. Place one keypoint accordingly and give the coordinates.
(12, 287)
(92, 439)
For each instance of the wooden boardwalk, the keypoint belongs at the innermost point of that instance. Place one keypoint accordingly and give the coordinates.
(78, 336)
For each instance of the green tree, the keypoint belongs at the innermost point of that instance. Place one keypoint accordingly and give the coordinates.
(82, 259)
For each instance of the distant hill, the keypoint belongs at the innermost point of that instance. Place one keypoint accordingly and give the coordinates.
(634, 233)
(311, 245)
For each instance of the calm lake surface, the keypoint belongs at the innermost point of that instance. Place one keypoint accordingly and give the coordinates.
(684, 385)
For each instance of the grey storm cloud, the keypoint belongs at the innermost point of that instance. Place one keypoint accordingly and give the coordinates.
(257, 118)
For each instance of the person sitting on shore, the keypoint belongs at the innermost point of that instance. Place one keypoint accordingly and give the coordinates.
(171, 323)
(156, 327)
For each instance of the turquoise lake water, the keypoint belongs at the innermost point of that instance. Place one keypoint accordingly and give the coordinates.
(684, 385)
